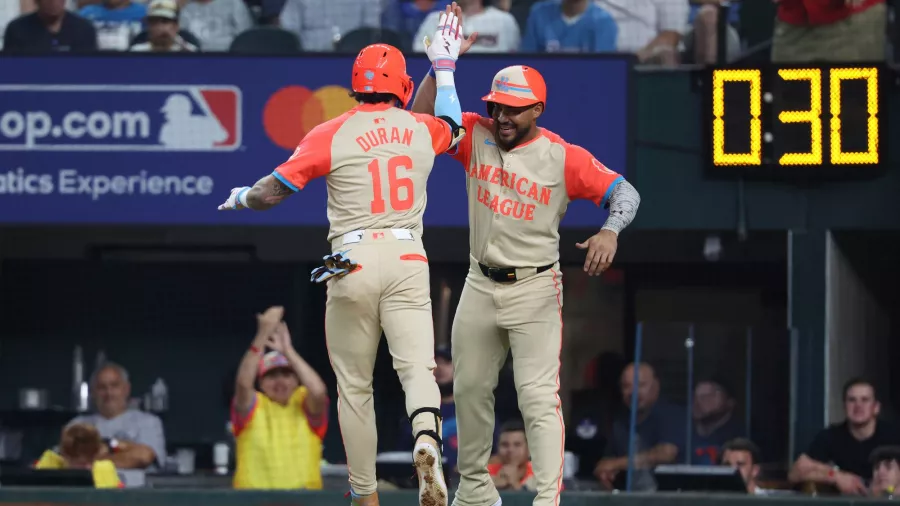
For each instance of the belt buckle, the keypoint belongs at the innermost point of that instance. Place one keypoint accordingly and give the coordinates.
(496, 274)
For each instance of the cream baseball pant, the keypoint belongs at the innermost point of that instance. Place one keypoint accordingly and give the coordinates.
(390, 290)
(491, 319)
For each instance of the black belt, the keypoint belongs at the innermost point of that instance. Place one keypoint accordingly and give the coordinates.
(506, 274)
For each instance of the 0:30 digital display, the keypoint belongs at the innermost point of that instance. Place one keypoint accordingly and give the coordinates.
(779, 117)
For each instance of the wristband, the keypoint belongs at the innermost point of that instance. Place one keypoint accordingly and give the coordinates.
(444, 64)
(242, 196)
(112, 444)
(254, 349)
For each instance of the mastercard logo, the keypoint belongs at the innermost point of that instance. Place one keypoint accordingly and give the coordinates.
(291, 112)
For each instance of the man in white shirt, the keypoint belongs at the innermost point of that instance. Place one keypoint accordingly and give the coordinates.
(497, 30)
(651, 29)
(162, 29)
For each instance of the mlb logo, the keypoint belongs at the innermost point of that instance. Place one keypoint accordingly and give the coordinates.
(120, 118)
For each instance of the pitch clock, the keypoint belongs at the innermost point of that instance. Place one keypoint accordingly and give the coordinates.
(795, 120)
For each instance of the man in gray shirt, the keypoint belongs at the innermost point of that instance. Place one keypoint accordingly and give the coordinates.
(215, 22)
(321, 23)
(135, 438)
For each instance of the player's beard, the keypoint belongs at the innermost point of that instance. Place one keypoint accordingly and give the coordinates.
(521, 132)
(446, 389)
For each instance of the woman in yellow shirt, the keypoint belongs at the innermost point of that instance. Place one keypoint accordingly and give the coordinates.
(81, 447)
(279, 429)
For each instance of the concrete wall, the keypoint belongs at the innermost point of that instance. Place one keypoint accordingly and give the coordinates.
(857, 329)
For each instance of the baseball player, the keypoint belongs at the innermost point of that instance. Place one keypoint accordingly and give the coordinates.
(520, 178)
(376, 159)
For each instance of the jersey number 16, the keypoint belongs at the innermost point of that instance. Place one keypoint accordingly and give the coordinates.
(394, 184)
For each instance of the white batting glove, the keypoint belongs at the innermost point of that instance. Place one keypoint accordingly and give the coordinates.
(443, 49)
(237, 200)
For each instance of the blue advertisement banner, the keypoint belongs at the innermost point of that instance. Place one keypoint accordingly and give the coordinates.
(162, 140)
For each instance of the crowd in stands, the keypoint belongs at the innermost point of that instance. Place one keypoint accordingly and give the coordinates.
(661, 32)
(279, 414)
(857, 456)
(656, 31)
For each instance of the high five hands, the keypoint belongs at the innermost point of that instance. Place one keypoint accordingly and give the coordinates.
(445, 29)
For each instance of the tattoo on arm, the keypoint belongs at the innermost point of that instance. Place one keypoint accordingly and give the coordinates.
(267, 193)
(280, 189)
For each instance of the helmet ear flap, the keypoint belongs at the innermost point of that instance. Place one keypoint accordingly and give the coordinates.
(409, 87)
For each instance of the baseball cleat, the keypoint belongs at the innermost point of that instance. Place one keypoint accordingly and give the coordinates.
(432, 487)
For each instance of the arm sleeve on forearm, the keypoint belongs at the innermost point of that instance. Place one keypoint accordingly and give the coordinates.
(623, 205)
(446, 103)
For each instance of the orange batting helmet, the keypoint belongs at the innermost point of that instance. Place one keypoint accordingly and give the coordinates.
(517, 86)
(381, 68)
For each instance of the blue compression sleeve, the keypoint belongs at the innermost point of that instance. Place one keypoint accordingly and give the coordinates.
(446, 103)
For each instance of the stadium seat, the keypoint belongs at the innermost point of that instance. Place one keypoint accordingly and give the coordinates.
(520, 10)
(186, 35)
(266, 40)
(757, 25)
(355, 40)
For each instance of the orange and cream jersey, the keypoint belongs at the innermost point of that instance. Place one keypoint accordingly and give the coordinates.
(376, 160)
(518, 197)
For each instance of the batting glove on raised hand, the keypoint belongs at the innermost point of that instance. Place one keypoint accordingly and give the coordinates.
(443, 49)
(234, 200)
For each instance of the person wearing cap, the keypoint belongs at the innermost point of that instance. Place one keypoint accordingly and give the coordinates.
(520, 179)
(377, 276)
(278, 429)
(162, 29)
